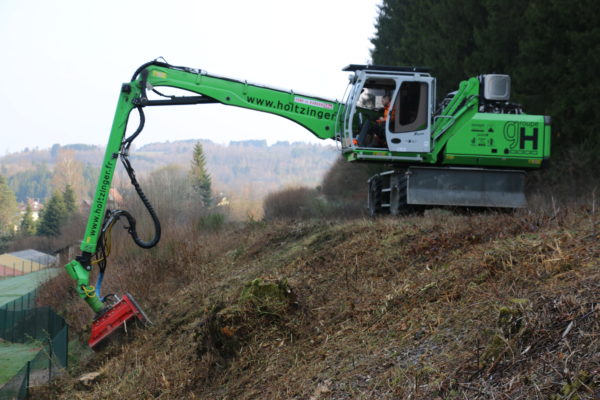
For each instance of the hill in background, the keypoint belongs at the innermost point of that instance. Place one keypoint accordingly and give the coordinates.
(243, 171)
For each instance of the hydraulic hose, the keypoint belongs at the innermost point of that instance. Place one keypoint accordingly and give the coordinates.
(124, 155)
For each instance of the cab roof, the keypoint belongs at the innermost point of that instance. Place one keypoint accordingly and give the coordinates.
(386, 68)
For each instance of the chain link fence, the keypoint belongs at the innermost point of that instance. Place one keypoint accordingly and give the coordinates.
(22, 322)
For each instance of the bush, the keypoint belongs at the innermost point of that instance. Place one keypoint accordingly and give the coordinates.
(300, 202)
(212, 222)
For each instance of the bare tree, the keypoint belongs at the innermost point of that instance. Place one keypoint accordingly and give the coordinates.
(68, 171)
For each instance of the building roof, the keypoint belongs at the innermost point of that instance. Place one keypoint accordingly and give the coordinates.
(34, 256)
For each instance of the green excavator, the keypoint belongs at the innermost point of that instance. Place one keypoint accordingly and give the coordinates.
(472, 149)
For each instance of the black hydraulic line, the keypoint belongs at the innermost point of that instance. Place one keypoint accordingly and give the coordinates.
(160, 64)
(127, 142)
(146, 65)
(132, 223)
(181, 100)
(124, 155)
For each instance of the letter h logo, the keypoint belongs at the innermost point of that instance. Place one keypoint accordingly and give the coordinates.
(525, 138)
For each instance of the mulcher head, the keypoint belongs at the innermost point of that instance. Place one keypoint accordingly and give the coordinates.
(114, 317)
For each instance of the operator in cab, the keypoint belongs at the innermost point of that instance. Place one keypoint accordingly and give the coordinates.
(378, 131)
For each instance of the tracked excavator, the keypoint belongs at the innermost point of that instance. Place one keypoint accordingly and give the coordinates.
(470, 150)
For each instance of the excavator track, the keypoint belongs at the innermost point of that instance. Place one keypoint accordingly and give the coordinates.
(398, 192)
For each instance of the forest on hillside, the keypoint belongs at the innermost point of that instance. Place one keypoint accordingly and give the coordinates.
(550, 48)
(247, 170)
(44, 193)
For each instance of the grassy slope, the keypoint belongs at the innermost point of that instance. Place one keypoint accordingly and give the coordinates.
(438, 306)
(18, 286)
(13, 356)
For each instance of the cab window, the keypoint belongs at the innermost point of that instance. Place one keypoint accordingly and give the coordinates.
(410, 108)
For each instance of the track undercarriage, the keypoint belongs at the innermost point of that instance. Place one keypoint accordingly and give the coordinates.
(403, 191)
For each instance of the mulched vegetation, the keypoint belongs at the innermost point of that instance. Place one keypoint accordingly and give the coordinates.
(437, 306)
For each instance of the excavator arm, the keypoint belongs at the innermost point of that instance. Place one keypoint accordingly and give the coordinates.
(318, 115)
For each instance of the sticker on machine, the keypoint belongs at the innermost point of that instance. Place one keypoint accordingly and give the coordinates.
(313, 103)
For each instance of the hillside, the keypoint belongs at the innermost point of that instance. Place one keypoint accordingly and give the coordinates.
(244, 171)
(439, 306)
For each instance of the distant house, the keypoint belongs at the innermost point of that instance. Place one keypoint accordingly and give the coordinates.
(36, 208)
(114, 200)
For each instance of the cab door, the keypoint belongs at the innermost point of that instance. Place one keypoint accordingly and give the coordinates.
(408, 127)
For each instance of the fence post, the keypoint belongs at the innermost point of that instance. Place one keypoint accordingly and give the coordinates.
(27, 379)
(3, 325)
(22, 321)
(12, 331)
(35, 324)
(66, 346)
(51, 352)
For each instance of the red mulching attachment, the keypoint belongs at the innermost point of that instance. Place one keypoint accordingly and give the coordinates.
(115, 317)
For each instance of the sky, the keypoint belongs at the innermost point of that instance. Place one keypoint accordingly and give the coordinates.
(63, 63)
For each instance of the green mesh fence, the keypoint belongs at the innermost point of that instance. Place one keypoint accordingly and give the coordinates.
(17, 387)
(22, 322)
(18, 325)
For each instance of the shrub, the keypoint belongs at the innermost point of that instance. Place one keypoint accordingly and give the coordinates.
(212, 222)
(300, 202)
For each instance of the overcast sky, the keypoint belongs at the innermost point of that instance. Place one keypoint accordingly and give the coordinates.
(63, 63)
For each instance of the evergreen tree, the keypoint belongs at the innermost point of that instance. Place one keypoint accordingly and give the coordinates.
(429, 33)
(69, 199)
(549, 48)
(201, 182)
(27, 223)
(8, 208)
(53, 217)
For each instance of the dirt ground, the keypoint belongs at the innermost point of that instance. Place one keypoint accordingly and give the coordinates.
(434, 306)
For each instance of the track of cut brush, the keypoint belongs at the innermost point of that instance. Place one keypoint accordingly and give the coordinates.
(436, 306)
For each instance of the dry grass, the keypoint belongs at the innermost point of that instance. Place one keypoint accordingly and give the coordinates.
(439, 306)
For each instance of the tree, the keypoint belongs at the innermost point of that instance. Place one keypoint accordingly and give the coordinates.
(8, 209)
(429, 33)
(27, 223)
(201, 182)
(550, 49)
(69, 199)
(53, 216)
(168, 189)
(68, 171)
(32, 184)
(54, 151)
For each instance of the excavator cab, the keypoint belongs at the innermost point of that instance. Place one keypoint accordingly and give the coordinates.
(388, 108)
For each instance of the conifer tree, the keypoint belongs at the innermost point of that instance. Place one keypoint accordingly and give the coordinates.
(27, 223)
(69, 199)
(53, 217)
(8, 208)
(201, 182)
